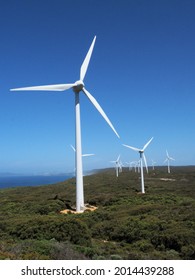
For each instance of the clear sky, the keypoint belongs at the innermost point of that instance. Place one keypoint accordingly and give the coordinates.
(142, 72)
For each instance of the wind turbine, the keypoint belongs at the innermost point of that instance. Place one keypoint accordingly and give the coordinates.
(129, 165)
(83, 155)
(153, 163)
(77, 87)
(168, 158)
(142, 156)
(139, 166)
(135, 163)
(121, 165)
(116, 165)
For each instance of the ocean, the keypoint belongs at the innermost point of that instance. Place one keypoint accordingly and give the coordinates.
(21, 181)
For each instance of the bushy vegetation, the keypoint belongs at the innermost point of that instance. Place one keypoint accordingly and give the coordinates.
(159, 224)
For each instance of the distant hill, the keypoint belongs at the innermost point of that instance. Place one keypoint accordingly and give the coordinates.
(159, 224)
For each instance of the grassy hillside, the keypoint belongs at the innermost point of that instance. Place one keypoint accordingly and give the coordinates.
(159, 224)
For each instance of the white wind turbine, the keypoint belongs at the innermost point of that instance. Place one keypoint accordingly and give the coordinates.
(142, 156)
(139, 166)
(130, 164)
(168, 158)
(121, 165)
(83, 155)
(77, 87)
(153, 163)
(135, 164)
(116, 165)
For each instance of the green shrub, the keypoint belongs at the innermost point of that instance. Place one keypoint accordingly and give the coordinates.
(188, 252)
(173, 240)
(72, 230)
(115, 257)
(66, 251)
(143, 245)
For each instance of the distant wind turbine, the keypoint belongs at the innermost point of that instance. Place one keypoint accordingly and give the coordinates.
(121, 165)
(135, 163)
(83, 155)
(168, 158)
(117, 165)
(129, 164)
(153, 163)
(142, 156)
(77, 87)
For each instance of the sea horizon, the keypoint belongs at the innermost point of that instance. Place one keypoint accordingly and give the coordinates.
(12, 181)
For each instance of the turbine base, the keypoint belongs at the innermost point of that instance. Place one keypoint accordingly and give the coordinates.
(87, 208)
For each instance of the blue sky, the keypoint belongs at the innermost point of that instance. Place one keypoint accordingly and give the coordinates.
(142, 72)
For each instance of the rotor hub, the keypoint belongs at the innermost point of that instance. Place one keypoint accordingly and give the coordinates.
(78, 86)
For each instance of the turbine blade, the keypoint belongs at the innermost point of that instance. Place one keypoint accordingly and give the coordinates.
(171, 158)
(73, 148)
(88, 155)
(59, 87)
(146, 145)
(85, 64)
(118, 158)
(133, 148)
(145, 162)
(98, 107)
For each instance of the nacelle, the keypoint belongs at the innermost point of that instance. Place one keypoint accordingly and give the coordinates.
(79, 86)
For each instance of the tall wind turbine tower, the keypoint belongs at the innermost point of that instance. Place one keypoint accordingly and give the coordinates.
(116, 165)
(168, 158)
(142, 156)
(77, 87)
